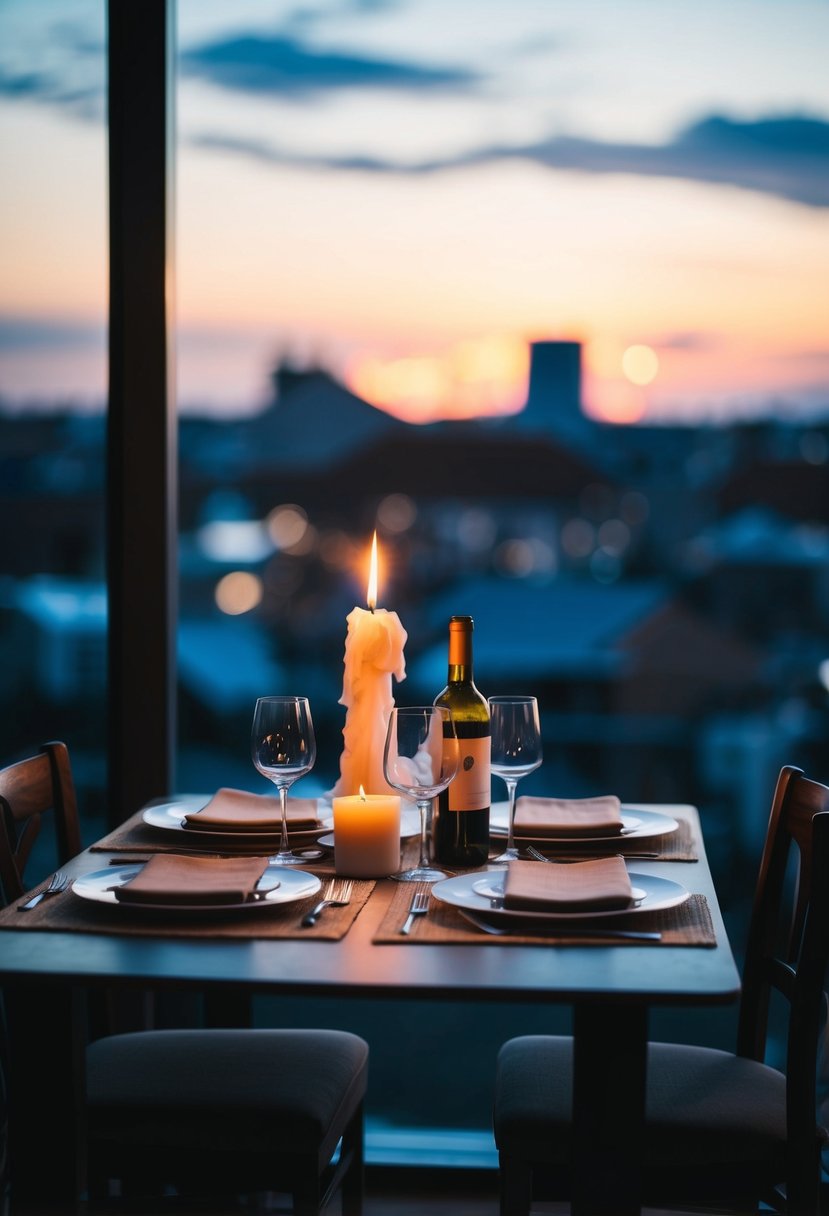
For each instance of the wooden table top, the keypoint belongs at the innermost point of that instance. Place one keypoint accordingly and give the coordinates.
(356, 967)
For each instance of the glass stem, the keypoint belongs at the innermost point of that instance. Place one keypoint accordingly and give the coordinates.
(511, 783)
(423, 807)
(283, 802)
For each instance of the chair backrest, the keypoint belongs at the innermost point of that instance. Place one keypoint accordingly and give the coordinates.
(28, 790)
(788, 942)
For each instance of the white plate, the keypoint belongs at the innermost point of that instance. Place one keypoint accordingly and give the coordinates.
(169, 816)
(463, 892)
(279, 884)
(409, 826)
(643, 823)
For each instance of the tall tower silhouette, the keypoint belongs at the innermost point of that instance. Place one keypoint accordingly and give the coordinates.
(553, 405)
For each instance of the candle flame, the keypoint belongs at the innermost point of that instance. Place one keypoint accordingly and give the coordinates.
(371, 597)
(362, 793)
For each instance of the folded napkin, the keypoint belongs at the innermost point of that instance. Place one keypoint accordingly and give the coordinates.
(169, 879)
(579, 886)
(244, 812)
(568, 816)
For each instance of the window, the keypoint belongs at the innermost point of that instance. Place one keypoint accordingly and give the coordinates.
(536, 291)
(53, 375)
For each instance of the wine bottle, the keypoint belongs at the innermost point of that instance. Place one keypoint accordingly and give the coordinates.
(461, 825)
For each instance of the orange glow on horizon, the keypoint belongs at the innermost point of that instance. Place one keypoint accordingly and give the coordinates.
(470, 379)
(614, 400)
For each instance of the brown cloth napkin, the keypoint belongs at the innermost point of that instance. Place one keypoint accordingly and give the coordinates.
(582, 886)
(567, 816)
(170, 879)
(244, 812)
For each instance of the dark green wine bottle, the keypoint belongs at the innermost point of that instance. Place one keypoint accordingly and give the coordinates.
(461, 823)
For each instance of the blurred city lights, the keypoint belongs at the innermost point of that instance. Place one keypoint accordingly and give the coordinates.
(614, 536)
(396, 513)
(477, 529)
(234, 540)
(287, 525)
(238, 592)
(578, 538)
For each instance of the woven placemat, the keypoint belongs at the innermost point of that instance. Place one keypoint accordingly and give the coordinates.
(673, 846)
(688, 924)
(69, 913)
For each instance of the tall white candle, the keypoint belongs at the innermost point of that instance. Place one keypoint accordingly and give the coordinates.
(373, 654)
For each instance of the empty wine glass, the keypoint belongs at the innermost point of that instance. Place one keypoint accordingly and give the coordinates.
(420, 759)
(516, 750)
(284, 749)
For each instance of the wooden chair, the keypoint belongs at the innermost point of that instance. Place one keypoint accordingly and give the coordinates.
(207, 1112)
(721, 1128)
(28, 791)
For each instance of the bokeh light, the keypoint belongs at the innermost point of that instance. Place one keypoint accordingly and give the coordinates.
(578, 538)
(287, 525)
(640, 364)
(234, 540)
(396, 513)
(477, 529)
(238, 592)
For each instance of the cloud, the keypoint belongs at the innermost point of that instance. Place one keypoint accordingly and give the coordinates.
(260, 150)
(25, 84)
(309, 15)
(285, 66)
(38, 333)
(691, 339)
(73, 78)
(786, 157)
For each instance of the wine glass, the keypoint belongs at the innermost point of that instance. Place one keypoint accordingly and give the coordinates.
(283, 748)
(516, 750)
(420, 759)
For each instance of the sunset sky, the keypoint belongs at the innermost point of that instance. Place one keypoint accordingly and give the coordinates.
(408, 191)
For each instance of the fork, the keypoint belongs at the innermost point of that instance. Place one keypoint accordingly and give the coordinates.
(418, 907)
(329, 900)
(553, 861)
(59, 882)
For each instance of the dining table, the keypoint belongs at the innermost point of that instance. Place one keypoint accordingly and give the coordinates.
(52, 968)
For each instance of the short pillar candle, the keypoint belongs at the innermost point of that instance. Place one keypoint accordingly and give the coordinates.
(366, 835)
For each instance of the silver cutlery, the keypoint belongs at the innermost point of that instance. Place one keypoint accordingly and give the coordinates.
(334, 897)
(59, 882)
(418, 907)
(258, 897)
(554, 861)
(597, 934)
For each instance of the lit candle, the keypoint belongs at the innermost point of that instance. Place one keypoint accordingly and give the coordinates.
(373, 654)
(367, 835)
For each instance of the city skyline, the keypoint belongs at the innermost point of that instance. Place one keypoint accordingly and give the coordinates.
(410, 193)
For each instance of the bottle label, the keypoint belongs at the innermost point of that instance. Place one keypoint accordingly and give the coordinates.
(469, 791)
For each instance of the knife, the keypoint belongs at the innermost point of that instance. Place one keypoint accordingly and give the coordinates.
(638, 935)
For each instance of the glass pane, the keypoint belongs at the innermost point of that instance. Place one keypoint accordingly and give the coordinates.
(538, 292)
(53, 374)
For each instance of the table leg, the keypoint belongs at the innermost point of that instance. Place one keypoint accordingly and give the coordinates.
(47, 1160)
(609, 1077)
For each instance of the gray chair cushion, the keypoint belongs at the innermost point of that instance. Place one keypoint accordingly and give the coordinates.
(703, 1106)
(252, 1090)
